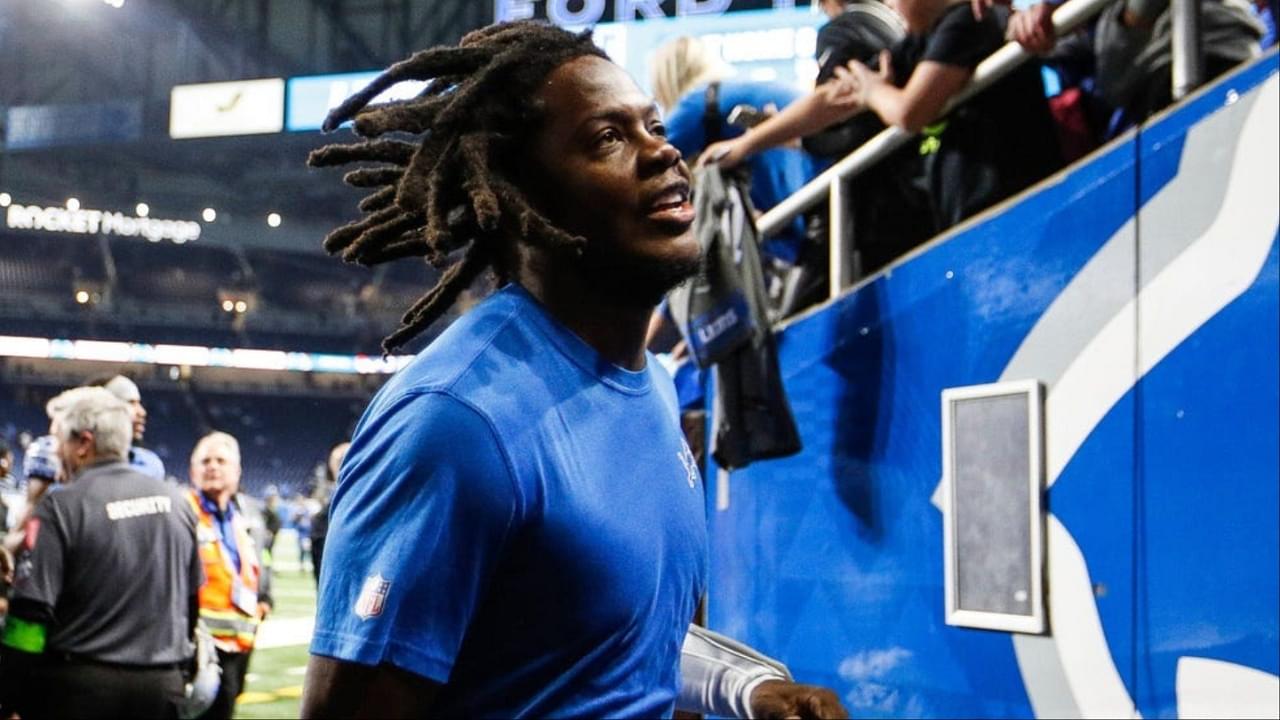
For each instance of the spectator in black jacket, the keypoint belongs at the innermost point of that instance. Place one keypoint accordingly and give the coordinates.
(983, 151)
(888, 211)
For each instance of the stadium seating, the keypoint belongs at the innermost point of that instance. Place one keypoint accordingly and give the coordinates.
(164, 293)
(282, 438)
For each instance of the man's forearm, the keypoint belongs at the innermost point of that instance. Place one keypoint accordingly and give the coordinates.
(810, 114)
(718, 675)
(890, 103)
(336, 688)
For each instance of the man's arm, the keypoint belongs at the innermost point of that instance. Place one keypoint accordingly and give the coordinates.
(422, 520)
(927, 92)
(338, 689)
(828, 104)
(720, 676)
(38, 584)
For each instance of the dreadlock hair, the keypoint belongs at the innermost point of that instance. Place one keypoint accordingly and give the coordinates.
(450, 196)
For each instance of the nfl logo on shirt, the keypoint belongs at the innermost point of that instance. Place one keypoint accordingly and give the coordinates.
(373, 596)
(690, 464)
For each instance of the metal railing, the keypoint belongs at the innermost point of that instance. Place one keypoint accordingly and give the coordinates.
(834, 181)
(1187, 48)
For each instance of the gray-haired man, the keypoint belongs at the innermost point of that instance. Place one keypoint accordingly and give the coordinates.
(115, 553)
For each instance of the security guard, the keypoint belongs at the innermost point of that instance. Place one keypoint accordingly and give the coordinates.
(104, 600)
(234, 599)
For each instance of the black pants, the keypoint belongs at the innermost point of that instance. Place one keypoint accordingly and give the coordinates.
(234, 667)
(75, 689)
(317, 556)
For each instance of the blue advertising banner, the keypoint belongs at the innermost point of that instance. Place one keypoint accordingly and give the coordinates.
(590, 12)
(762, 45)
(40, 126)
(309, 99)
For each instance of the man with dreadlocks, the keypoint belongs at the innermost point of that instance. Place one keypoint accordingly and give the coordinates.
(518, 526)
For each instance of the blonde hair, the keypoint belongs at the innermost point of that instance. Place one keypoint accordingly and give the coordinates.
(94, 410)
(679, 66)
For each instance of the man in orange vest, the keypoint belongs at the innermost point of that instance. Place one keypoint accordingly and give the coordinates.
(234, 598)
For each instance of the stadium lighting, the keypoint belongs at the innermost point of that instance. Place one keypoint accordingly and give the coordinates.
(241, 306)
(82, 296)
(73, 204)
(199, 356)
(117, 4)
(273, 220)
(5, 199)
(209, 215)
(142, 210)
(228, 306)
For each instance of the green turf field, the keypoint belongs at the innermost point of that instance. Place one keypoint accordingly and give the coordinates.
(274, 683)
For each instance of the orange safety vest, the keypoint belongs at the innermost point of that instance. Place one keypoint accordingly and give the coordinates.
(228, 600)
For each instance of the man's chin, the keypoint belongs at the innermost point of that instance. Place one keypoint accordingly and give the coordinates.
(642, 280)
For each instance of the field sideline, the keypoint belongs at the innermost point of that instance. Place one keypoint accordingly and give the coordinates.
(274, 684)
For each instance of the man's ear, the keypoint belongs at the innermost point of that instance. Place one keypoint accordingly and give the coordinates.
(83, 440)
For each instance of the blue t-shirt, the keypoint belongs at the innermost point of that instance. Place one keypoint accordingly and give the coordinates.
(146, 462)
(519, 520)
(775, 174)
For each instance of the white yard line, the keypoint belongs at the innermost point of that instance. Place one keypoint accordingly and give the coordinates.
(284, 632)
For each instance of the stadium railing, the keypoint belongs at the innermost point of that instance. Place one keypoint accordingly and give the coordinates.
(833, 183)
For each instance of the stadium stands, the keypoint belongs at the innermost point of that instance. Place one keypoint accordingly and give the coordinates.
(164, 293)
(283, 438)
(165, 274)
(51, 265)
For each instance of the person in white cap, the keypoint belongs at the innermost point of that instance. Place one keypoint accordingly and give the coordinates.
(126, 390)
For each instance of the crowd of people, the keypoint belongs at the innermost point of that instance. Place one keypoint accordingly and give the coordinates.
(899, 64)
(126, 590)
(509, 584)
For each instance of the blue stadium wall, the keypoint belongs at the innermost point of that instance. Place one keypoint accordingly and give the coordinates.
(1141, 288)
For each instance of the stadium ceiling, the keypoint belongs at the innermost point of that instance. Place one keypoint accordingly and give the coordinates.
(84, 52)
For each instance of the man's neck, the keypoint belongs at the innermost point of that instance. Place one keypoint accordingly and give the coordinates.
(221, 501)
(615, 329)
(92, 462)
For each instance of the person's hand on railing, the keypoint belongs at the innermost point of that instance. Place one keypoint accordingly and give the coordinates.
(1033, 28)
(727, 154)
(831, 102)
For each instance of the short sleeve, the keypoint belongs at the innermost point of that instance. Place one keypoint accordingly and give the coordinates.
(422, 514)
(858, 34)
(39, 576)
(833, 49)
(960, 40)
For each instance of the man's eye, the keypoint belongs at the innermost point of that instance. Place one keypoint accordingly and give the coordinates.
(607, 137)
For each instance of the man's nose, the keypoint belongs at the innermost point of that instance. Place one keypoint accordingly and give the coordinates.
(661, 154)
